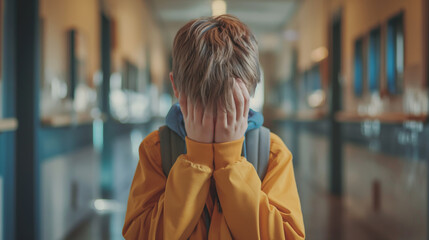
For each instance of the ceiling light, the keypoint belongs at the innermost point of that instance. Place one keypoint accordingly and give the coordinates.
(218, 7)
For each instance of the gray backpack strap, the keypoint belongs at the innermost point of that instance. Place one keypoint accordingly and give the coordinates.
(172, 146)
(258, 149)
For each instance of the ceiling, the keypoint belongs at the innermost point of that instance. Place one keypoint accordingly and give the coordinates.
(266, 19)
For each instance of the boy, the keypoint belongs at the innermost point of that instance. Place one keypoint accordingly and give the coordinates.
(215, 66)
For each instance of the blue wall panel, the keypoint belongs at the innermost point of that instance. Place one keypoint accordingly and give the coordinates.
(7, 139)
(57, 141)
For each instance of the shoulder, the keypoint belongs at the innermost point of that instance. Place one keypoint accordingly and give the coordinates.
(278, 149)
(150, 140)
(150, 147)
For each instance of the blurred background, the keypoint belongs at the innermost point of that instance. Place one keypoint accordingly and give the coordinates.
(345, 85)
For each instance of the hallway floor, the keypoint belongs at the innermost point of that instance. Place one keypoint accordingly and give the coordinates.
(350, 217)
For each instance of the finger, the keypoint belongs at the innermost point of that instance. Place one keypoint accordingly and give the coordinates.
(208, 116)
(232, 111)
(190, 108)
(183, 105)
(239, 100)
(246, 98)
(198, 113)
(221, 115)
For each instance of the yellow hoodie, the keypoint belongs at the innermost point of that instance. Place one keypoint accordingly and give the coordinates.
(172, 208)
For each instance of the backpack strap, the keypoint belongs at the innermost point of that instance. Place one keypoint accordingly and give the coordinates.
(257, 147)
(172, 146)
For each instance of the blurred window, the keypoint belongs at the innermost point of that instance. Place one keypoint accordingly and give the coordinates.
(358, 67)
(314, 92)
(374, 51)
(130, 76)
(395, 54)
(316, 83)
(312, 79)
(129, 98)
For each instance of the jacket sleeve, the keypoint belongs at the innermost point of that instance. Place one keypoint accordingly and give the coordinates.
(252, 210)
(168, 209)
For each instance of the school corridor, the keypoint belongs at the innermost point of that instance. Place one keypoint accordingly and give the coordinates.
(345, 84)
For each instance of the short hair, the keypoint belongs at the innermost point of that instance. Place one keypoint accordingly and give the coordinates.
(208, 53)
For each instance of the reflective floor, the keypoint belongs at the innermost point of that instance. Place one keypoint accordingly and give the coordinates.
(389, 205)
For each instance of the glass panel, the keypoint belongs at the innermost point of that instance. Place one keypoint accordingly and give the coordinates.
(358, 68)
(315, 93)
(399, 51)
(390, 58)
(374, 60)
(395, 54)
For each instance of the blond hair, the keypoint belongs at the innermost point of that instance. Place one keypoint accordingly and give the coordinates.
(208, 53)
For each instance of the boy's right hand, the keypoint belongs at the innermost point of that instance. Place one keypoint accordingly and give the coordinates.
(198, 121)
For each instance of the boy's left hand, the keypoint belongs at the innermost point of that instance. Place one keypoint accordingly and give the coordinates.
(231, 126)
(199, 122)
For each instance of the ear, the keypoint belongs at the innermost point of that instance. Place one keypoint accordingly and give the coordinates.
(176, 93)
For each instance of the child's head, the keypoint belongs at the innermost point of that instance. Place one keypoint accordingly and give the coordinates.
(208, 53)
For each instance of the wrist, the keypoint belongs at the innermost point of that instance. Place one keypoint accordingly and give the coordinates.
(199, 153)
(227, 152)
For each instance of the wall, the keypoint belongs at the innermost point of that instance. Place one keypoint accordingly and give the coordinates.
(360, 17)
(57, 18)
(311, 23)
(137, 38)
